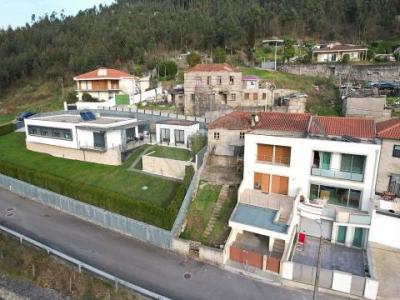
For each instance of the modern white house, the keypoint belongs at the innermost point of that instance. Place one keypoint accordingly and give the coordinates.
(84, 136)
(315, 173)
(110, 85)
(176, 132)
(334, 52)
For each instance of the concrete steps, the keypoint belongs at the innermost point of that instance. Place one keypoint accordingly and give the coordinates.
(223, 195)
(279, 247)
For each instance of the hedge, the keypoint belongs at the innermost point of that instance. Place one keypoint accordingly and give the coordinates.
(103, 198)
(6, 128)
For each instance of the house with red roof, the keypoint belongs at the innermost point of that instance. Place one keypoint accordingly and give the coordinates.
(299, 168)
(334, 52)
(210, 87)
(105, 84)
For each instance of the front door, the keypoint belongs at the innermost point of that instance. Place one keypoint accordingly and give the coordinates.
(358, 237)
(341, 237)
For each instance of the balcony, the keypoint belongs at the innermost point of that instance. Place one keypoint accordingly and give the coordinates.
(338, 174)
(277, 160)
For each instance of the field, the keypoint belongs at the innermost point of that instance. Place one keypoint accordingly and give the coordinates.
(21, 264)
(322, 93)
(127, 187)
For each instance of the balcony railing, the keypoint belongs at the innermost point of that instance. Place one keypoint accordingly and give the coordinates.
(280, 160)
(333, 173)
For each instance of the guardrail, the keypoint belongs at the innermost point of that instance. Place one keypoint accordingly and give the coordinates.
(80, 264)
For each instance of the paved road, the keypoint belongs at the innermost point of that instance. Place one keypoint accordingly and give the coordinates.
(150, 267)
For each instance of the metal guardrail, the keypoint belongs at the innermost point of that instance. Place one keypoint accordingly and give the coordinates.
(80, 264)
(339, 174)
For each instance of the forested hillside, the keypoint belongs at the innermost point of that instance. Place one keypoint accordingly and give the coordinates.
(138, 30)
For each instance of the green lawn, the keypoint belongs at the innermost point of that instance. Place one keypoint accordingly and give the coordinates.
(6, 118)
(114, 178)
(322, 93)
(171, 152)
(200, 211)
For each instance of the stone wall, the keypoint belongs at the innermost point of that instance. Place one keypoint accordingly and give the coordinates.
(164, 166)
(358, 72)
(109, 157)
(369, 107)
(387, 165)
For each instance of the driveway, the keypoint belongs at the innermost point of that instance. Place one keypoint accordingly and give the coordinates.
(153, 268)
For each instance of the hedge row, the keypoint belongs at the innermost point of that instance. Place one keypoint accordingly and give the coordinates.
(103, 198)
(6, 128)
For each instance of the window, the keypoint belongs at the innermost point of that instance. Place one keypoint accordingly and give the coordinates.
(219, 80)
(246, 96)
(208, 80)
(55, 133)
(241, 135)
(231, 80)
(233, 97)
(352, 163)
(274, 154)
(130, 134)
(198, 81)
(271, 183)
(396, 151)
(255, 96)
(99, 140)
(394, 184)
(216, 135)
(179, 136)
(114, 84)
(336, 196)
(265, 152)
(165, 135)
(264, 96)
(192, 97)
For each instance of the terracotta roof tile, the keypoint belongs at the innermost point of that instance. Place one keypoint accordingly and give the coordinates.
(108, 73)
(236, 120)
(389, 129)
(340, 126)
(214, 68)
(277, 121)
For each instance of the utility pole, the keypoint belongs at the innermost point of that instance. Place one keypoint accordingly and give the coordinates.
(276, 46)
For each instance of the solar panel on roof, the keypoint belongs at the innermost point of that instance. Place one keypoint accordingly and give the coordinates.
(87, 115)
(91, 115)
(84, 116)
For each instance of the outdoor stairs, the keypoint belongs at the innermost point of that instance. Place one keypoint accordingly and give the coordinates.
(132, 167)
(283, 218)
(223, 195)
(279, 248)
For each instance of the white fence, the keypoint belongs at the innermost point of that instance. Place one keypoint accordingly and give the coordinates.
(150, 95)
(81, 265)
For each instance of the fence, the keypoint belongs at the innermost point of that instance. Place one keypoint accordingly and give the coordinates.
(200, 157)
(81, 265)
(142, 231)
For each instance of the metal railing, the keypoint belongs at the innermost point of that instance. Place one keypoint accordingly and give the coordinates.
(281, 160)
(334, 173)
(81, 265)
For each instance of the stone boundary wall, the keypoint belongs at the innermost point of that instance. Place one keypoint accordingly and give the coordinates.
(359, 72)
(164, 166)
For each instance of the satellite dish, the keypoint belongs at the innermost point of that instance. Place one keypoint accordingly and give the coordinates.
(256, 118)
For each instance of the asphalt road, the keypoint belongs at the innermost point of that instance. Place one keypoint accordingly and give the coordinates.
(150, 267)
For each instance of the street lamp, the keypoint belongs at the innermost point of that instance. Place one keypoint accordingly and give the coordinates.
(319, 222)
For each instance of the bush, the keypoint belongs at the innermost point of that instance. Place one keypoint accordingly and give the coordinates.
(218, 55)
(197, 142)
(167, 69)
(71, 97)
(86, 97)
(6, 128)
(346, 59)
(193, 59)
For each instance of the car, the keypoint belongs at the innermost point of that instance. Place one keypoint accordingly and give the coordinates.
(23, 115)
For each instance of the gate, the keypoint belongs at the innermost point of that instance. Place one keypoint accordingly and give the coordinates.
(250, 258)
(273, 264)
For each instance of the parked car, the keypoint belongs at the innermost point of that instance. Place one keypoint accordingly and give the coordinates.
(24, 115)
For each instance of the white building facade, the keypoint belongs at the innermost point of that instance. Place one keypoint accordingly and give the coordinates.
(176, 132)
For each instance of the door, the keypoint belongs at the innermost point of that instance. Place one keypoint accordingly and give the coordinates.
(98, 140)
(326, 161)
(358, 237)
(341, 237)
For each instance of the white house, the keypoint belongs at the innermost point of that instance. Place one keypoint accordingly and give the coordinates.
(176, 132)
(99, 139)
(300, 168)
(335, 52)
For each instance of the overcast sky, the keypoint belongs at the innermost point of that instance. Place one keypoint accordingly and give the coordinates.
(18, 12)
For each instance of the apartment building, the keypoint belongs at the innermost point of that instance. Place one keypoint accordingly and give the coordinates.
(209, 87)
(298, 169)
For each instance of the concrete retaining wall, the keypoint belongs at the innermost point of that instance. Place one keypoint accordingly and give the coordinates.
(211, 255)
(359, 72)
(181, 246)
(164, 166)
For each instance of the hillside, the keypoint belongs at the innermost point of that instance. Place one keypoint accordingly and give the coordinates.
(137, 31)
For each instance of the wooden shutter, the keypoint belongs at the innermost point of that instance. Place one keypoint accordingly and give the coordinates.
(264, 152)
(262, 180)
(282, 155)
(280, 184)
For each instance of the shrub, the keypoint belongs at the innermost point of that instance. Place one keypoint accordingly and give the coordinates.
(71, 97)
(86, 97)
(197, 142)
(218, 55)
(167, 69)
(193, 59)
(346, 59)
(6, 128)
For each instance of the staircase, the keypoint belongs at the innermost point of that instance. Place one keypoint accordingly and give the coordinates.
(223, 195)
(279, 248)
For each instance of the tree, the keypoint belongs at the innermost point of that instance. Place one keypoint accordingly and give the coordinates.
(86, 97)
(193, 59)
(166, 69)
(219, 55)
(346, 59)
(288, 49)
(71, 97)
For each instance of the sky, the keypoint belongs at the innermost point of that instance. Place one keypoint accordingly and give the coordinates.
(18, 12)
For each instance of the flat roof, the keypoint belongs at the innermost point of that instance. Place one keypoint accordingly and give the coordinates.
(76, 119)
(258, 217)
(177, 122)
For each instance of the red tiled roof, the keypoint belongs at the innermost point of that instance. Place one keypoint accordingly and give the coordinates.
(214, 68)
(389, 129)
(335, 48)
(108, 73)
(298, 122)
(340, 126)
(236, 120)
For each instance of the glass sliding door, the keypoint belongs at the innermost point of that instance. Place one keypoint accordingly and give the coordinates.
(352, 163)
(336, 195)
(326, 161)
(358, 237)
(341, 236)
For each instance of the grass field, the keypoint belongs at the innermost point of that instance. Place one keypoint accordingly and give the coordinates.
(114, 178)
(171, 152)
(322, 93)
(18, 261)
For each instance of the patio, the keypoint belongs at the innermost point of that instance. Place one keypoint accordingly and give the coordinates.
(333, 256)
